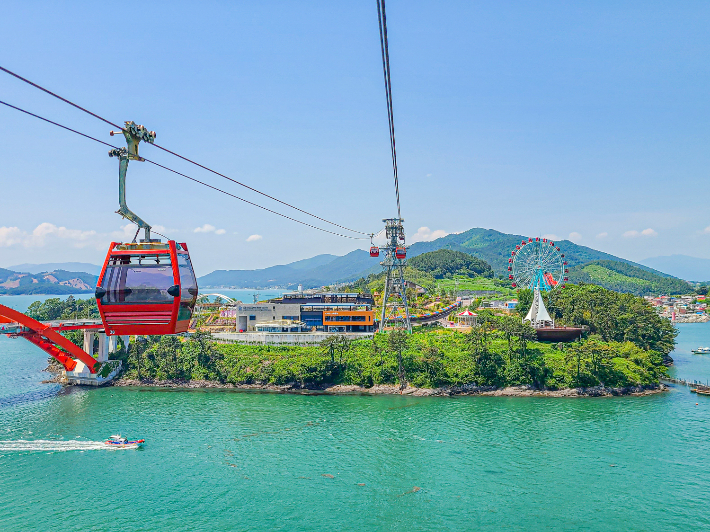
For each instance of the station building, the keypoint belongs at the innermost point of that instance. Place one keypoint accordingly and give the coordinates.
(328, 312)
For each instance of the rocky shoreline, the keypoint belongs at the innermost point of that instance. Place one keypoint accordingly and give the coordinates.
(450, 391)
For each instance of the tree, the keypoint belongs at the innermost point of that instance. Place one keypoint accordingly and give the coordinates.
(336, 343)
(397, 341)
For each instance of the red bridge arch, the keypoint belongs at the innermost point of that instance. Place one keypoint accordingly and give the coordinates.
(46, 338)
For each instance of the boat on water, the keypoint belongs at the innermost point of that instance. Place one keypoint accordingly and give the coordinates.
(701, 351)
(119, 442)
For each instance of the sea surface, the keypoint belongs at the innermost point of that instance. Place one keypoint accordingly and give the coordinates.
(224, 460)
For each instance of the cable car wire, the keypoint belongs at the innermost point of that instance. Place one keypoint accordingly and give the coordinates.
(180, 156)
(183, 175)
(384, 46)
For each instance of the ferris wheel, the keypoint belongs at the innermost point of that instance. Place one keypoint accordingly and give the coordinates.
(537, 264)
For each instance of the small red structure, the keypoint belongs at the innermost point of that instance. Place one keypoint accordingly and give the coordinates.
(374, 251)
(47, 338)
(400, 253)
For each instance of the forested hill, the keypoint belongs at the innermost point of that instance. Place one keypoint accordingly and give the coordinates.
(488, 245)
(624, 277)
(494, 247)
(445, 263)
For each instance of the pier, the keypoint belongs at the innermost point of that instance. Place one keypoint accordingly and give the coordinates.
(691, 384)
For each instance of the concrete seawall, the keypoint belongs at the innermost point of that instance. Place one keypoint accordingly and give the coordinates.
(256, 338)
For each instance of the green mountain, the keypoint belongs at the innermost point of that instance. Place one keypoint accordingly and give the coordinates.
(494, 247)
(624, 277)
(488, 245)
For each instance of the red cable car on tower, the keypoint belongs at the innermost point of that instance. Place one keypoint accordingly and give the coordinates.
(145, 287)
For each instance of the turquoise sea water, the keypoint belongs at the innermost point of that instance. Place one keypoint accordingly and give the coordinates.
(221, 460)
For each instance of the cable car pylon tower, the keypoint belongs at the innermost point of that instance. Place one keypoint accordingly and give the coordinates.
(394, 301)
(395, 309)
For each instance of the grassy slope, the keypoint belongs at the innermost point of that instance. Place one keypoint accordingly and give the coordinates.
(627, 278)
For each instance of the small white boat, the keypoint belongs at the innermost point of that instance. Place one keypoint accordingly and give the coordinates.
(119, 442)
(701, 351)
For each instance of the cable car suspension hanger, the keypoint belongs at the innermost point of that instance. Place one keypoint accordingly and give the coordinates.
(134, 134)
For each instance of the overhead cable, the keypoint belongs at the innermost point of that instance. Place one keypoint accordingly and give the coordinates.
(183, 175)
(382, 18)
(180, 156)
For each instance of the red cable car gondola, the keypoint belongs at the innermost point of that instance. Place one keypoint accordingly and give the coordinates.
(400, 253)
(146, 288)
(374, 251)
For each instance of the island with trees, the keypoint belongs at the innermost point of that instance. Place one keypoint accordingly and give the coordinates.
(625, 351)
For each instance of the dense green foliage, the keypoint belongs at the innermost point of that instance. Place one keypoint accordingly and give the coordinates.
(624, 277)
(613, 316)
(626, 347)
(63, 309)
(446, 263)
(507, 355)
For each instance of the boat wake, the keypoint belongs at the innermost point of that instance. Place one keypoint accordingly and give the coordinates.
(53, 445)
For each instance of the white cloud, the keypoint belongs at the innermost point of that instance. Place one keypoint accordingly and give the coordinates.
(424, 234)
(551, 237)
(9, 236)
(602, 235)
(707, 230)
(220, 231)
(254, 238)
(207, 228)
(633, 233)
(574, 236)
(12, 236)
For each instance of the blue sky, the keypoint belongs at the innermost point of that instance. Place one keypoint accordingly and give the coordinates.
(587, 119)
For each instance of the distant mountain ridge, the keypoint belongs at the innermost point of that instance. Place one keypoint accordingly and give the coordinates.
(57, 282)
(310, 273)
(492, 246)
(80, 267)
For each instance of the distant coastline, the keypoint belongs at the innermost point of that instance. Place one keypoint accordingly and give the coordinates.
(21, 291)
(448, 391)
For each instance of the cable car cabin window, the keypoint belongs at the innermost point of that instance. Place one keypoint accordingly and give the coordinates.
(136, 279)
(188, 287)
(188, 284)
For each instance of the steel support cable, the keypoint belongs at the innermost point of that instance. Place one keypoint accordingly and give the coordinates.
(384, 46)
(180, 156)
(183, 175)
